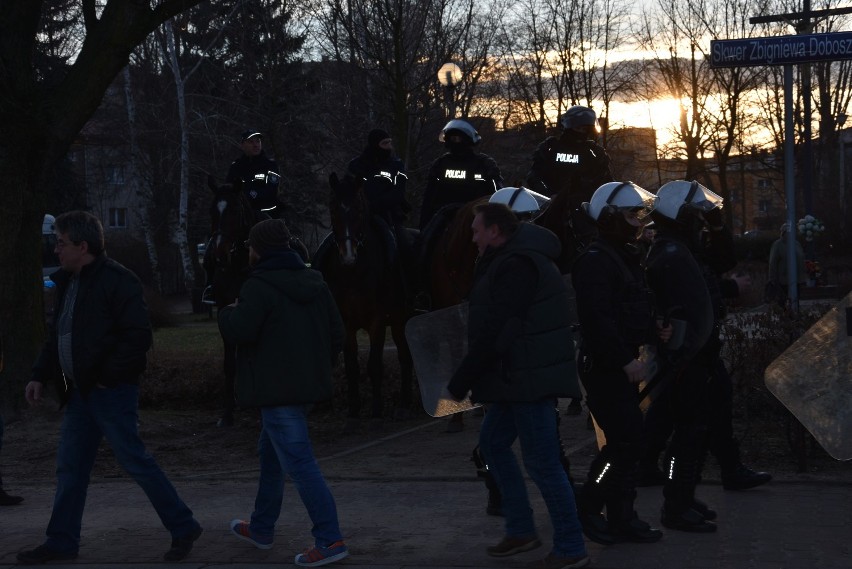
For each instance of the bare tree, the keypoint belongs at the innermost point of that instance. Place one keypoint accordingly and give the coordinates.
(41, 119)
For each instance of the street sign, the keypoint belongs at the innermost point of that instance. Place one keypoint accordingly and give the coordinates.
(781, 50)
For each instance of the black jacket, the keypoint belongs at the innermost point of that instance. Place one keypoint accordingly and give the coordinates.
(520, 343)
(569, 163)
(384, 186)
(110, 334)
(614, 305)
(458, 178)
(261, 191)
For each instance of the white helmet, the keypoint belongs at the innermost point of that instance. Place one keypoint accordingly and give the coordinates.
(522, 201)
(578, 117)
(461, 126)
(679, 196)
(613, 197)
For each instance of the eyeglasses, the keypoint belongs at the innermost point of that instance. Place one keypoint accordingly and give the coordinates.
(61, 243)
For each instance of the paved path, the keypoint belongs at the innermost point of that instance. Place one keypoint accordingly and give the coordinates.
(411, 499)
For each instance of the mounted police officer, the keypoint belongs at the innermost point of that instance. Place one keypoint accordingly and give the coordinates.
(616, 317)
(384, 185)
(572, 166)
(461, 175)
(681, 293)
(258, 174)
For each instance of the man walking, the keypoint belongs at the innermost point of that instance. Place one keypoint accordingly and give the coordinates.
(520, 360)
(288, 332)
(95, 354)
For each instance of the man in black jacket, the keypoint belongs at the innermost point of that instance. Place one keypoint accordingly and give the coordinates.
(95, 354)
(520, 359)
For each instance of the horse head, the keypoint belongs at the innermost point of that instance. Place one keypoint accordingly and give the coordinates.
(350, 216)
(231, 218)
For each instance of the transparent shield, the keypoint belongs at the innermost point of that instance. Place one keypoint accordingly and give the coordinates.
(813, 379)
(438, 342)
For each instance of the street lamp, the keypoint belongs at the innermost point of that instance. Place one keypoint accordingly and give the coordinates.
(449, 76)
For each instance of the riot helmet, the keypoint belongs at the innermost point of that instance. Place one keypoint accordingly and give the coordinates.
(526, 203)
(686, 203)
(462, 128)
(580, 119)
(620, 209)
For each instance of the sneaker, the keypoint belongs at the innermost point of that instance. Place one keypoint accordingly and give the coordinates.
(512, 546)
(243, 531)
(42, 554)
(556, 562)
(181, 546)
(316, 556)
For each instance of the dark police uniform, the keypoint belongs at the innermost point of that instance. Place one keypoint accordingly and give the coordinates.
(259, 176)
(616, 315)
(569, 163)
(459, 177)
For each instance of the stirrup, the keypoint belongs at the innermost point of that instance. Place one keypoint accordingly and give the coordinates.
(207, 296)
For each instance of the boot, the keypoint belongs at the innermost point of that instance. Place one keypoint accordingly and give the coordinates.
(6, 499)
(679, 492)
(495, 498)
(590, 502)
(742, 478)
(634, 530)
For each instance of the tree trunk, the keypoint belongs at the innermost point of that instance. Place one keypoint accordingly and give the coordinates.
(21, 297)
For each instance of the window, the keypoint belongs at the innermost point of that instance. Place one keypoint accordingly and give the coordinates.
(764, 184)
(114, 174)
(118, 217)
(764, 206)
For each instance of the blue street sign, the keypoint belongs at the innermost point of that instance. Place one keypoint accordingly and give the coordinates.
(781, 50)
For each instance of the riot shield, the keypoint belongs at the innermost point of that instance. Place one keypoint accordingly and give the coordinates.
(438, 342)
(813, 379)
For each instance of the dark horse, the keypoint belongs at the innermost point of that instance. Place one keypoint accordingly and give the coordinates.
(227, 260)
(370, 295)
(451, 256)
(450, 262)
(570, 225)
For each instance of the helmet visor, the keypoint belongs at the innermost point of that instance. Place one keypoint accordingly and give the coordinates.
(705, 200)
(640, 213)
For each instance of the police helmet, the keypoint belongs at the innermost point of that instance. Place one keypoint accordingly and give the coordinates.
(460, 127)
(579, 117)
(524, 202)
(678, 199)
(614, 197)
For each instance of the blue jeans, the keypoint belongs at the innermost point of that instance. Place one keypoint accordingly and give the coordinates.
(285, 448)
(111, 413)
(535, 425)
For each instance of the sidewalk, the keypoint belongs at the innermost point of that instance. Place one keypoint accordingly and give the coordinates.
(411, 499)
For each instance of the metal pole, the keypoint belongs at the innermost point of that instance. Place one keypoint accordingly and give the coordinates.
(790, 189)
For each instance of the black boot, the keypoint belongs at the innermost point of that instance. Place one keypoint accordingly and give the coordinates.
(590, 502)
(679, 492)
(742, 477)
(8, 500)
(495, 498)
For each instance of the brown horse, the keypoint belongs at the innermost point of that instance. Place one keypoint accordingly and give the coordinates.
(451, 257)
(370, 295)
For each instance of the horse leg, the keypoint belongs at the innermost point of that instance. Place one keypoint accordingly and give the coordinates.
(406, 369)
(375, 366)
(230, 368)
(353, 378)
